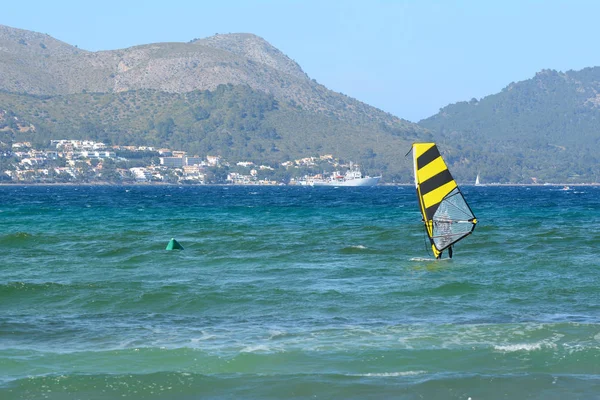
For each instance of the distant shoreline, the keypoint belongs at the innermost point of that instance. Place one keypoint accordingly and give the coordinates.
(228, 184)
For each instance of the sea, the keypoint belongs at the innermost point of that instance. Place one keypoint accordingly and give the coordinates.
(296, 293)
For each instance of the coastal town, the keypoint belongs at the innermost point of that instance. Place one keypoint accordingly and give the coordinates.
(87, 161)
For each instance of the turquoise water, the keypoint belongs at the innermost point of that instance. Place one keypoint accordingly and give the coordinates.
(294, 292)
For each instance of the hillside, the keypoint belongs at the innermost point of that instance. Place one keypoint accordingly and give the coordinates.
(235, 95)
(235, 122)
(547, 127)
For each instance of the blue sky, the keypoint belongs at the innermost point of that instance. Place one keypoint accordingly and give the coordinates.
(409, 58)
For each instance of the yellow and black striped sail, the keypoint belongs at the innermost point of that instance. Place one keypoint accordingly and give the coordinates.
(447, 216)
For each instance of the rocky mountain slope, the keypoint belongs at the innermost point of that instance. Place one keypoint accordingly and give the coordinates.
(38, 64)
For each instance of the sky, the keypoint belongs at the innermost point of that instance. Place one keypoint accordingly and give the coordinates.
(408, 58)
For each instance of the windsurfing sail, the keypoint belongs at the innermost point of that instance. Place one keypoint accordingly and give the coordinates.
(446, 214)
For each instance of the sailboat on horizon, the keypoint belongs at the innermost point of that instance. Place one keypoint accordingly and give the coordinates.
(477, 183)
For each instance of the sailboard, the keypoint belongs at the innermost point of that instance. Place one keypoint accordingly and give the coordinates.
(446, 215)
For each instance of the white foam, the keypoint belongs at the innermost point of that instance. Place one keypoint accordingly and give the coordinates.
(523, 347)
(275, 334)
(385, 374)
(203, 338)
(256, 349)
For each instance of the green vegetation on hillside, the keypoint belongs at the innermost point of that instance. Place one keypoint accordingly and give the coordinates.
(547, 128)
(235, 122)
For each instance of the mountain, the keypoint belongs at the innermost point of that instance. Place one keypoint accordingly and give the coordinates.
(194, 89)
(545, 128)
(237, 96)
(38, 64)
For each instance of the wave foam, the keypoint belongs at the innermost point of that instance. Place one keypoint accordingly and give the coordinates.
(522, 347)
(386, 374)
(256, 349)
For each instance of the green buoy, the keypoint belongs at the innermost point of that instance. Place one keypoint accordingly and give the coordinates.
(174, 245)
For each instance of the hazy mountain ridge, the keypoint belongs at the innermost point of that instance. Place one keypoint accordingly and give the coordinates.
(37, 64)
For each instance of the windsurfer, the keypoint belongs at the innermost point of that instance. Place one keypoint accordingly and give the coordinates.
(439, 256)
(446, 215)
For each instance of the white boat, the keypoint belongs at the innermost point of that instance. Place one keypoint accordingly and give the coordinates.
(353, 177)
(477, 181)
